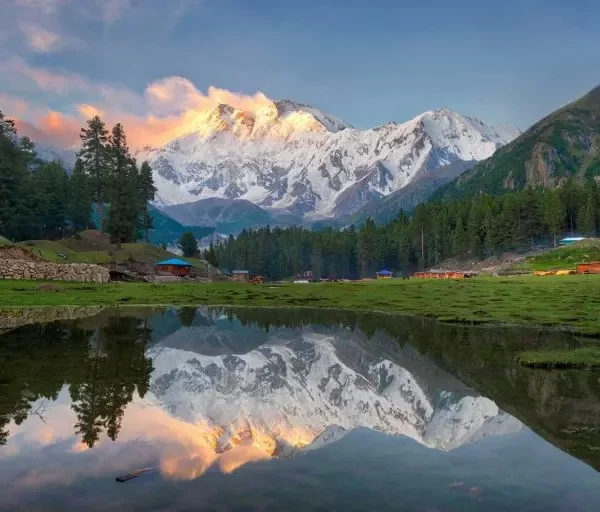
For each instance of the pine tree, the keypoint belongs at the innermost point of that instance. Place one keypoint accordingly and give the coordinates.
(210, 255)
(123, 189)
(80, 198)
(16, 221)
(147, 193)
(188, 244)
(587, 219)
(366, 247)
(531, 216)
(459, 241)
(553, 213)
(50, 185)
(94, 155)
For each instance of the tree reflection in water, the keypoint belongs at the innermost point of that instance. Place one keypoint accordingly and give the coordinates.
(103, 368)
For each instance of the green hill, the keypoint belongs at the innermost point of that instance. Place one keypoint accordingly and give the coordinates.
(167, 230)
(94, 247)
(563, 257)
(564, 144)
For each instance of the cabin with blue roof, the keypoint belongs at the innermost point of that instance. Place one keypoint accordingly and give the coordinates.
(570, 240)
(175, 266)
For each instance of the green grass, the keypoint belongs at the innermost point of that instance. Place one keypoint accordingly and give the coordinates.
(586, 358)
(94, 248)
(51, 251)
(564, 257)
(571, 302)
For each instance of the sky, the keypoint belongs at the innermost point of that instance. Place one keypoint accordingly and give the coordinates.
(151, 63)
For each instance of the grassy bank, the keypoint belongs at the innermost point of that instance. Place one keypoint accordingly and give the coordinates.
(563, 257)
(585, 358)
(571, 302)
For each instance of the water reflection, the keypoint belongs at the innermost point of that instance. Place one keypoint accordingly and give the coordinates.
(101, 367)
(274, 397)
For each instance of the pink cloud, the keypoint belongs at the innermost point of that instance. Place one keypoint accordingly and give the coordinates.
(89, 111)
(176, 94)
(169, 108)
(12, 106)
(41, 40)
(53, 81)
(54, 129)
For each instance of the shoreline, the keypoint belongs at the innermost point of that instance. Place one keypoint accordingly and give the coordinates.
(570, 303)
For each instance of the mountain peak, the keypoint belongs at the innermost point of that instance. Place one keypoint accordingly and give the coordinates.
(561, 145)
(329, 122)
(292, 157)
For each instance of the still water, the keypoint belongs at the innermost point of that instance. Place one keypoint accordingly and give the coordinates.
(246, 410)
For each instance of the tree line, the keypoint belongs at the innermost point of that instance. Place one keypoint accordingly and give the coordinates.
(475, 227)
(40, 200)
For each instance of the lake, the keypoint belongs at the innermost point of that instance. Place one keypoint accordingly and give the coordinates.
(267, 410)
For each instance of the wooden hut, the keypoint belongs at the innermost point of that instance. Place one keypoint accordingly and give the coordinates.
(589, 268)
(384, 274)
(174, 266)
(438, 274)
(241, 276)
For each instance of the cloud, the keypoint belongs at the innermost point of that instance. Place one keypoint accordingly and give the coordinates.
(175, 94)
(39, 39)
(17, 107)
(114, 10)
(60, 82)
(45, 7)
(52, 129)
(168, 108)
(89, 111)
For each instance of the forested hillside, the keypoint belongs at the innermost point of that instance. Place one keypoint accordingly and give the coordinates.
(564, 144)
(476, 227)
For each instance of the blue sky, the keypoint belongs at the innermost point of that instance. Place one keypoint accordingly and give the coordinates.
(368, 62)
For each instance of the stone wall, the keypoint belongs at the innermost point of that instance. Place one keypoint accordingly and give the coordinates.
(43, 270)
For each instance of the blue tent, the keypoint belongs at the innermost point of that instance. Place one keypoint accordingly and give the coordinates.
(176, 262)
(384, 273)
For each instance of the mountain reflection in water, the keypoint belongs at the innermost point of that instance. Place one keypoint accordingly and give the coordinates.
(193, 392)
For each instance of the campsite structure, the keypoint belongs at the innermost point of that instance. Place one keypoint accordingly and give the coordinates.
(175, 266)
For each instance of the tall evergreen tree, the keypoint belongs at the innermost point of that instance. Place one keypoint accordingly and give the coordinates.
(553, 213)
(94, 156)
(123, 189)
(367, 239)
(210, 255)
(188, 245)
(147, 193)
(15, 193)
(80, 198)
(587, 219)
(50, 185)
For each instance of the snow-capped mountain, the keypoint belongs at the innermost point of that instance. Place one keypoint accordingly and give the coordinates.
(300, 390)
(292, 157)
